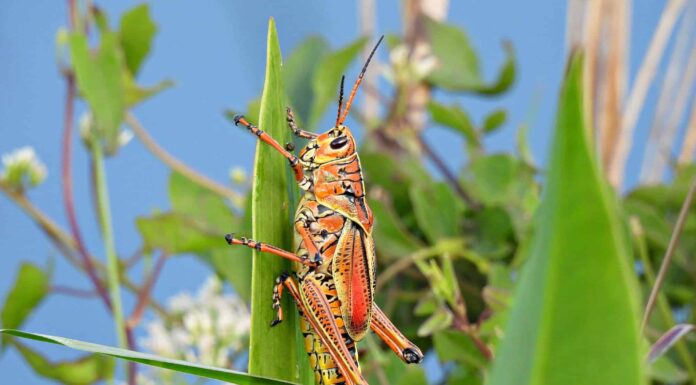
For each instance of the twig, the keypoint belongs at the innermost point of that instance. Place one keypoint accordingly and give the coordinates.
(671, 248)
(451, 178)
(640, 89)
(62, 240)
(610, 117)
(179, 166)
(671, 102)
(73, 292)
(145, 293)
(662, 304)
(689, 145)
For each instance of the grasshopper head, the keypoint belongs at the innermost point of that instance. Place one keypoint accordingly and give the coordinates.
(336, 143)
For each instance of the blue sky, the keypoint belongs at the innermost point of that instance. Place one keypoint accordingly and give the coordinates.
(214, 51)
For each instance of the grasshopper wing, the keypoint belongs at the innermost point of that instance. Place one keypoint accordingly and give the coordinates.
(354, 273)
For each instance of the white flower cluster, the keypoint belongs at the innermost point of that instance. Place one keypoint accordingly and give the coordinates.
(22, 169)
(409, 66)
(211, 328)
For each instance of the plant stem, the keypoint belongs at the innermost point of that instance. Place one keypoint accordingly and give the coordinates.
(67, 245)
(662, 304)
(178, 166)
(68, 201)
(112, 266)
(671, 248)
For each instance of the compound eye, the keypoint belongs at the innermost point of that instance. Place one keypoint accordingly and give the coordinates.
(339, 142)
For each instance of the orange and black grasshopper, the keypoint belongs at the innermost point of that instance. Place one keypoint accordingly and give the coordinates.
(334, 284)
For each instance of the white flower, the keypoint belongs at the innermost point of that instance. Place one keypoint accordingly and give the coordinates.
(238, 175)
(210, 328)
(22, 169)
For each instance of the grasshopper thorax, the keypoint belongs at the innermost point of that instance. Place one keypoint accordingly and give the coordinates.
(335, 144)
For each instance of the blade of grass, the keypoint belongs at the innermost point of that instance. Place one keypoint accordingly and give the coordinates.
(273, 352)
(148, 359)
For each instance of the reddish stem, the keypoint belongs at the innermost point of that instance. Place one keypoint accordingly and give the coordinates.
(145, 292)
(72, 291)
(68, 193)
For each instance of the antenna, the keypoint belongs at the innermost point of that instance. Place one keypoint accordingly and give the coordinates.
(340, 100)
(357, 83)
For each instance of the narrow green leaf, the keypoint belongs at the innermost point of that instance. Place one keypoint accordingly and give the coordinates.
(29, 289)
(273, 352)
(86, 370)
(298, 73)
(494, 121)
(148, 359)
(456, 118)
(136, 33)
(440, 319)
(574, 317)
(99, 77)
(136, 94)
(327, 78)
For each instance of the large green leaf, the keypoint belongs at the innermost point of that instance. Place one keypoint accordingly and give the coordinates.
(574, 318)
(29, 289)
(273, 352)
(148, 359)
(458, 66)
(438, 211)
(328, 77)
(100, 79)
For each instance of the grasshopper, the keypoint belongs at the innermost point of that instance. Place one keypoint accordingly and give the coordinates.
(334, 282)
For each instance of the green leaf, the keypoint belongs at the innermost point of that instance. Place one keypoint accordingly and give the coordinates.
(494, 121)
(195, 201)
(274, 352)
(136, 33)
(327, 78)
(494, 178)
(298, 73)
(452, 345)
(148, 359)
(29, 289)
(458, 69)
(177, 234)
(192, 201)
(86, 370)
(391, 237)
(438, 211)
(455, 117)
(135, 93)
(440, 319)
(99, 77)
(574, 318)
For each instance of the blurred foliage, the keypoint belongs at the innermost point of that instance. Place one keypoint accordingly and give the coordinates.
(453, 245)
